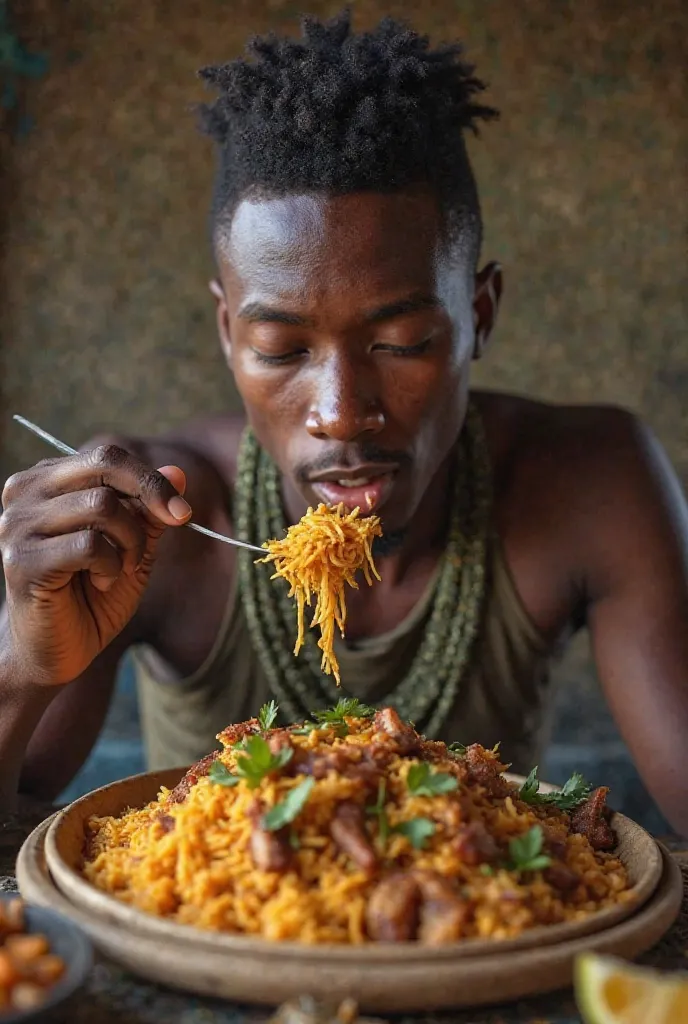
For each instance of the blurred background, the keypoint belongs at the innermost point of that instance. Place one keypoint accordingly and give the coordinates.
(105, 318)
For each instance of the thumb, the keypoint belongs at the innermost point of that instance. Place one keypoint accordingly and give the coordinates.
(177, 478)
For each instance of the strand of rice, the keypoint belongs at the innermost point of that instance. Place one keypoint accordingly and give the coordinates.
(317, 557)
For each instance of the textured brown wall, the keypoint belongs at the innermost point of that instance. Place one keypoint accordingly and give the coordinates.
(104, 315)
(104, 312)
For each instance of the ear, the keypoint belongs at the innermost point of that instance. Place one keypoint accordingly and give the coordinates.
(488, 292)
(222, 317)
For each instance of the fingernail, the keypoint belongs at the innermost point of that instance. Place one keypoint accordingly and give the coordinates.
(103, 582)
(179, 508)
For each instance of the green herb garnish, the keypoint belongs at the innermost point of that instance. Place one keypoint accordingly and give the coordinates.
(289, 808)
(305, 729)
(526, 851)
(378, 811)
(417, 831)
(258, 761)
(219, 773)
(422, 781)
(574, 792)
(457, 748)
(267, 715)
(486, 869)
(346, 707)
(529, 791)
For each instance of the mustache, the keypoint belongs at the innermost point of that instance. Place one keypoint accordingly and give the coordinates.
(349, 458)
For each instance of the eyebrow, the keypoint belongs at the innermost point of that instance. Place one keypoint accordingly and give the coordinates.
(258, 312)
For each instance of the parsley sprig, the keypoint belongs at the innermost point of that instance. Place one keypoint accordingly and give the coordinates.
(335, 718)
(574, 792)
(268, 715)
(377, 810)
(255, 762)
(423, 781)
(525, 851)
(417, 830)
(219, 773)
(288, 809)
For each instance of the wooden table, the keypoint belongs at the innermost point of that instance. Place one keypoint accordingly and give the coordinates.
(114, 996)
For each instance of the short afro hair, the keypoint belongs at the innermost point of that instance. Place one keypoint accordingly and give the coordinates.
(341, 112)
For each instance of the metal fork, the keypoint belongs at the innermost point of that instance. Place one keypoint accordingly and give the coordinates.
(66, 450)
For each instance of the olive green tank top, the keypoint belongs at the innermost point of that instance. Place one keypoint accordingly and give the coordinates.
(502, 697)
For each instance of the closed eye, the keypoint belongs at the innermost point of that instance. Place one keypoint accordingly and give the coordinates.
(405, 350)
(280, 360)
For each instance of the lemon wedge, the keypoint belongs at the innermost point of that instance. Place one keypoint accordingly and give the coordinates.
(611, 991)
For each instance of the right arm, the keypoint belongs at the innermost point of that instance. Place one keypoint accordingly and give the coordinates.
(46, 733)
(78, 538)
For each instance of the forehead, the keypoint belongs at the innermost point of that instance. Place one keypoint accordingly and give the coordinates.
(313, 248)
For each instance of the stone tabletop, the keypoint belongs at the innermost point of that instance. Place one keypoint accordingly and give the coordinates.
(113, 996)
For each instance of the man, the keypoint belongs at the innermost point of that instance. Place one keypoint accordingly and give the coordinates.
(346, 229)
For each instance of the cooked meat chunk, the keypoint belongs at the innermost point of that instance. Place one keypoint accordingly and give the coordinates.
(485, 768)
(195, 772)
(235, 733)
(167, 822)
(591, 820)
(443, 913)
(405, 738)
(270, 850)
(349, 833)
(474, 844)
(279, 740)
(560, 877)
(416, 905)
(392, 911)
(351, 761)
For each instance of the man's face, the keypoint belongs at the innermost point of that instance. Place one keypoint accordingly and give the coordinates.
(349, 328)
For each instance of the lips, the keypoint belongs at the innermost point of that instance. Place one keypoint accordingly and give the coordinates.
(366, 492)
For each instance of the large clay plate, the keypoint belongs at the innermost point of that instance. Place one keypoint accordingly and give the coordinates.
(380, 979)
(64, 845)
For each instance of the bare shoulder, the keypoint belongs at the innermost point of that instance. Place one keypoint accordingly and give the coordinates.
(587, 485)
(596, 448)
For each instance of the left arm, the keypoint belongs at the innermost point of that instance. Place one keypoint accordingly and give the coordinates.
(636, 556)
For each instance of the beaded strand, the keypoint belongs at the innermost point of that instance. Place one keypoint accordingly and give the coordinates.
(429, 689)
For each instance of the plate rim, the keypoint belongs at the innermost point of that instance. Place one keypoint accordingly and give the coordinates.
(461, 984)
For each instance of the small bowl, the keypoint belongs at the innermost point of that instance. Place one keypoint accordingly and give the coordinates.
(68, 942)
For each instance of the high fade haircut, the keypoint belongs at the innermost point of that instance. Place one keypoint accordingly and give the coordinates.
(338, 112)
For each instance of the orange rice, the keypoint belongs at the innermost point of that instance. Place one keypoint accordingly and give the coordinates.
(188, 855)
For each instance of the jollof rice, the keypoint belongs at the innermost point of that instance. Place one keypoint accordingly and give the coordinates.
(353, 865)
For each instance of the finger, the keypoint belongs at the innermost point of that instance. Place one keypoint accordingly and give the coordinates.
(47, 563)
(98, 509)
(111, 466)
(176, 476)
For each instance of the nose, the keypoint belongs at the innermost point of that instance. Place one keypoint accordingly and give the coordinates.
(344, 405)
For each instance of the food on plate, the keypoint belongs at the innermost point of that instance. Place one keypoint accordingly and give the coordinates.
(317, 557)
(610, 991)
(28, 969)
(353, 828)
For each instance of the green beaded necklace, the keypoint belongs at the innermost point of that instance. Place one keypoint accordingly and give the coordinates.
(428, 691)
